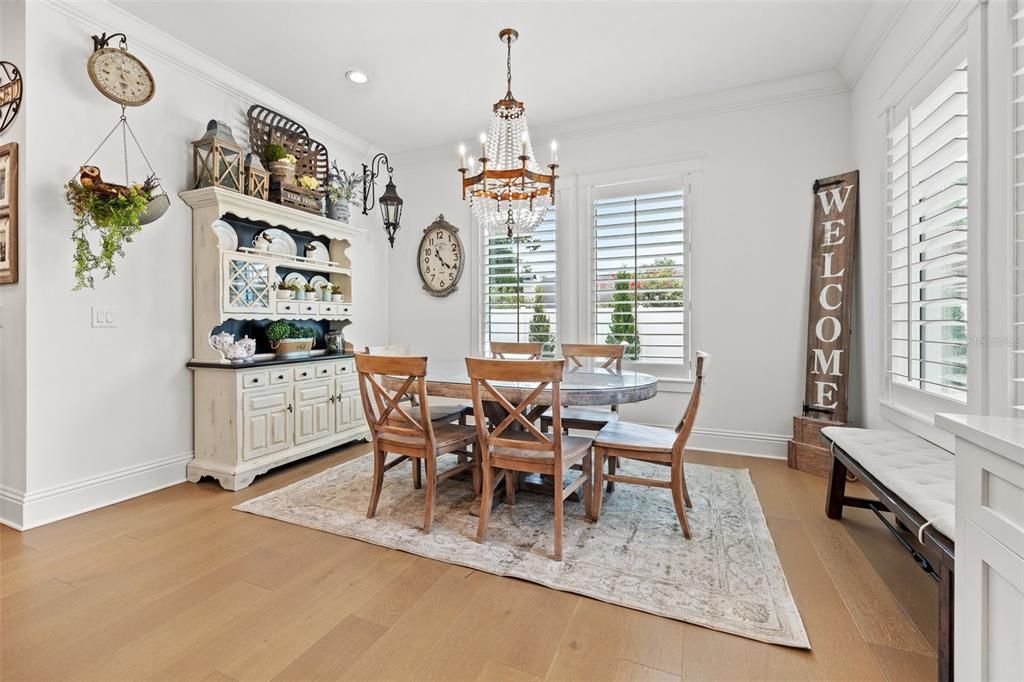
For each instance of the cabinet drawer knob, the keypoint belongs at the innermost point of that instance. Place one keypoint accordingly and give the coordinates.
(280, 376)
(289, 407)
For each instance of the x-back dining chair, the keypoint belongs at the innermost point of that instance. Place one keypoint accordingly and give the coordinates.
(438, 413)
(505, 451)
(605, 356)
(623, 440)
(533, 351)
(394, 430)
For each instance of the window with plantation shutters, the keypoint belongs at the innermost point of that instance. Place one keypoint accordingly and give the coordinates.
(639, 271)
(1017, 178)
(927, 226)
(521, 286)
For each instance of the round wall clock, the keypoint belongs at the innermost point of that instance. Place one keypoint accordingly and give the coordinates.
(440, 258)
(121, 76)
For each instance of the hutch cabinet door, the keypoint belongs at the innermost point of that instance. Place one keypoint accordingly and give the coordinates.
(312, 411)
(247, 285)
(349, 410)
(267, 423)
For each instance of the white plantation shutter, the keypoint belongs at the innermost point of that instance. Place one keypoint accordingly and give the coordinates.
(639, 273)
(927, 243)
(520, 287)
(1017, 178)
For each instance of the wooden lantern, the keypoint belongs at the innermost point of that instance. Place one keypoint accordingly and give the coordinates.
(217, 158)
(257, 179)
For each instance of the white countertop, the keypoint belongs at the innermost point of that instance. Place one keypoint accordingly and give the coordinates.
(1002, 435)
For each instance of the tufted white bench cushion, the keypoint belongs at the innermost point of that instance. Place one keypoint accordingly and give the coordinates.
(921, 474)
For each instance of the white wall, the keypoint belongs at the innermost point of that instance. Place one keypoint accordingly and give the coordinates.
(109, 411)
(760, 149)
(12, 298)
(887, 64)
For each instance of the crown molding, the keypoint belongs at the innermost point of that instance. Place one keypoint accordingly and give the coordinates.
(869, 38)
(926, 38)
(768, 93)
(152, 43)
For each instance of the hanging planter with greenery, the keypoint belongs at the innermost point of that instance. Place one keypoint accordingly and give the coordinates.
(110, 214)
(114, 213)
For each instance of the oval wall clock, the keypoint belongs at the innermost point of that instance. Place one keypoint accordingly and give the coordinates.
(11, 86)
(119, 75)
(440, 258)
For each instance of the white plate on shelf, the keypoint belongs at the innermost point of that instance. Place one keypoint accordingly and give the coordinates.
(319, 281)
(296, 278)
(280, 242)
(227, 238)
(318, 252)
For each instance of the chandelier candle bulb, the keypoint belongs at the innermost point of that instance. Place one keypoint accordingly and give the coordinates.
(554, 151)
(462, 156)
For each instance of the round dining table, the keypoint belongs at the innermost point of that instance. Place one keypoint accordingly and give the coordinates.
(587, 385)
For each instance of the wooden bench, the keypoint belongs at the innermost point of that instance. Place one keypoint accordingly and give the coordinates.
(914, 481)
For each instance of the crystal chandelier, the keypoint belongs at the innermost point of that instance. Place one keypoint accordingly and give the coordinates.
(509, 192)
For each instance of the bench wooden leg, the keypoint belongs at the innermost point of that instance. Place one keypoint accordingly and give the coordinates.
(945, 652)
(836, 490)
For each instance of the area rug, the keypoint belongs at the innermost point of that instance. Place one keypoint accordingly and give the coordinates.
(728, 577)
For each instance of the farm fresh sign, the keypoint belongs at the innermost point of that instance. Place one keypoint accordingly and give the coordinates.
(831, 296)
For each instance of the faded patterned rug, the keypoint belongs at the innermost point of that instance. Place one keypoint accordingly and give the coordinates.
(728, 577)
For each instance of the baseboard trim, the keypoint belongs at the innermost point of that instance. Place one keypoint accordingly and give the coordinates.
(743, 443)
(24, 510)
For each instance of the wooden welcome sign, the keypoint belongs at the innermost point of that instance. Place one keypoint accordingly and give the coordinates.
(830, 308)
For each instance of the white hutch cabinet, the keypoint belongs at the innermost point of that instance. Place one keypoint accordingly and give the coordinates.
(254, 416)
(989, 604)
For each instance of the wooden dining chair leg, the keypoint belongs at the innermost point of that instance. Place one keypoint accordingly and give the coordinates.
(686, 491)
(486, 492)
(588, 487)
(559, 513)
(677, 496)
(598, 481)
(430, 463)
(476, 471)
(613, 465)
(417, 476)
(378, 480)
(510, 486)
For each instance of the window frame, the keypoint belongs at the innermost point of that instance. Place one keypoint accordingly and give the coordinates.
(909, 407)
(687, 173)
(484, 257)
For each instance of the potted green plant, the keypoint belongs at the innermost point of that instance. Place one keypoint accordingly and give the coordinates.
(341, 192)
(336, 294)
(289, 340)
(115, 213)
(286, 291)
(280, 163)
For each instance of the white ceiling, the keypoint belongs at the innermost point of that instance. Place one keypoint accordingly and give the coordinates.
(436, 68)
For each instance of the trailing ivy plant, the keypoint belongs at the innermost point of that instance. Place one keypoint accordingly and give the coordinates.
(113, 216)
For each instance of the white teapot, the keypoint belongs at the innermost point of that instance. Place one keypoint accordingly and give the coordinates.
(234, 351)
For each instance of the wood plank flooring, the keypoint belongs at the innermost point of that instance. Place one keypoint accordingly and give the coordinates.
(176, 585)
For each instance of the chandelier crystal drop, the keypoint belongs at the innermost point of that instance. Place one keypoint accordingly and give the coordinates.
(509, 192)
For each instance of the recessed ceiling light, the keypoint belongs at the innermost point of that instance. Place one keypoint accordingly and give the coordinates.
(357, 77)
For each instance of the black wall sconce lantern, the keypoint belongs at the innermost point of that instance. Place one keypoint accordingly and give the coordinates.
(390, 202)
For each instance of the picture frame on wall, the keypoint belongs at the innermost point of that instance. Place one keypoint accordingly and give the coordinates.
(9, 213)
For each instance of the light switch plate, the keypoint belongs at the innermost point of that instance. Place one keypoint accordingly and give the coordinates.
(104, 316)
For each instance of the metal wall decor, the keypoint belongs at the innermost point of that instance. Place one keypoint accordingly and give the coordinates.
(118, 74)
(390, 202)
(11, 88)
(510, 192)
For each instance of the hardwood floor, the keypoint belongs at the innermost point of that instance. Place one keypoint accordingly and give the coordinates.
(176, 585)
